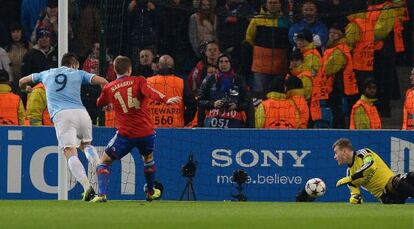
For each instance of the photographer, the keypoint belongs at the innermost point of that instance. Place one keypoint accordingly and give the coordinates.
(224, 98)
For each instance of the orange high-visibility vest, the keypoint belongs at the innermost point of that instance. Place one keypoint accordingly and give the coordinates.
(372, 112)
(110, 118)
(164, 115)
(319, 92)
(408, 117)
(350, 83)
(363, 53)
(305, 73)
(307, 88)
(398, 36)
(280, 114)
(374, 11)
(312, 51)
(303, 108)
(9, 109)
(45, 115)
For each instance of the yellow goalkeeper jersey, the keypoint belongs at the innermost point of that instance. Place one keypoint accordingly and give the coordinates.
(369, 171)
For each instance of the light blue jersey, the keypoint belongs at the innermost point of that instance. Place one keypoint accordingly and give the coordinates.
(63, 88)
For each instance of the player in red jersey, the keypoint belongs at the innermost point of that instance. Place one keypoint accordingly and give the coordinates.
(128, 95)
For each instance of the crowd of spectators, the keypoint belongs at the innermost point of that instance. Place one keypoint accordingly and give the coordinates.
(244, 63)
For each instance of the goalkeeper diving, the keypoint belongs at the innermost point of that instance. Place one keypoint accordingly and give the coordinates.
(367, 170)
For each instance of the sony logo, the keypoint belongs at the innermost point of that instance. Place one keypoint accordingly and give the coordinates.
(249, 158)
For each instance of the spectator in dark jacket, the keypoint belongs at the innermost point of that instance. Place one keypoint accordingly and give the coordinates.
(233, 19)
(210, 54)
(311, 23)
(224, 101)
(42, 56)
(144, 16)
(173, 32)
(16, 50)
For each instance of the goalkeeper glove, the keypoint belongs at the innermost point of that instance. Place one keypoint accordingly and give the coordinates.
(356, 199)
(343, 181)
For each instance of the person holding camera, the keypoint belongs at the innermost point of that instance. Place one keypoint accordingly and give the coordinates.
(224, 98)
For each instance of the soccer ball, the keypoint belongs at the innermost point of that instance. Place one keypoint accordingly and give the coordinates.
(315, 187)
(157, 185)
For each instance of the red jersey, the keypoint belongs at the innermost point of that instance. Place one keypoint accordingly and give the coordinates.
(129, 95)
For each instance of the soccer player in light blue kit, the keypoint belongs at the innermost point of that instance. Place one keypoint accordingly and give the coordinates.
(72, 122)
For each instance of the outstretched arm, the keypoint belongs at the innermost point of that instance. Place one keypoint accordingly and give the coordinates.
(103, 99)
(355, 197)
(366, 170)
(98, 80)
(156, 95)
(23, 82)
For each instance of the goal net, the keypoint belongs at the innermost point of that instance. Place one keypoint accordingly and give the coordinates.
(278, 162)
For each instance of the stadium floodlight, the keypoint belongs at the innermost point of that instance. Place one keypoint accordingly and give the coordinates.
(239, 177)
(189, 171)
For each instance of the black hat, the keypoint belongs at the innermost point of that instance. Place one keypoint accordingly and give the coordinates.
(305, 35)
(293, 82)
(296, 55)
(228, 57)
(4, 76)
(42, 32)
(277, 85)
(368, 81)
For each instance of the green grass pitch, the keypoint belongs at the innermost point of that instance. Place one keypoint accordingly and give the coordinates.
(167, 214)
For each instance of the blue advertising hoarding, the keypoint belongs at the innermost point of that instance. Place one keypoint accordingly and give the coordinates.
(278, 162)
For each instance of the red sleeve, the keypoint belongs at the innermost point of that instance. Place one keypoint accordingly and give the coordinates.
(195, 77)
(151, 93)
(103, 98)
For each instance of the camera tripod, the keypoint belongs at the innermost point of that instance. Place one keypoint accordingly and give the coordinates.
(189, 189)
(240, 195)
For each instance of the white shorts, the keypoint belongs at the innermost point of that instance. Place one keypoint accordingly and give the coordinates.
(72, 127)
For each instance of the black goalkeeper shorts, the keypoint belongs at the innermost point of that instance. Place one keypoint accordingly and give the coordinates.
(391, 196)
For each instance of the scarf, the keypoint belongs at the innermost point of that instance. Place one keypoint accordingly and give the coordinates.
(226, 80)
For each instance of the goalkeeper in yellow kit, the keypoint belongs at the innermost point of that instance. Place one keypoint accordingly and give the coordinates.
(366, 169)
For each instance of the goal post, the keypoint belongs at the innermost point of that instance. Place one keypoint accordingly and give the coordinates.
(62, 49)
(62, 175)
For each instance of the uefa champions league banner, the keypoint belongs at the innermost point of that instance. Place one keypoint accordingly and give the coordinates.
(278, 162)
